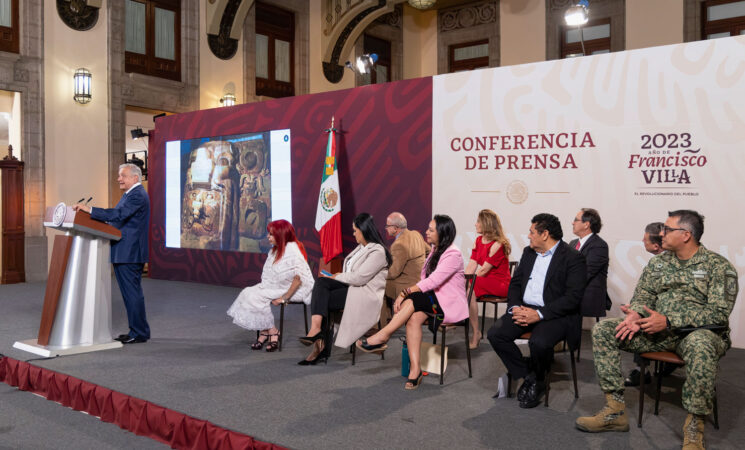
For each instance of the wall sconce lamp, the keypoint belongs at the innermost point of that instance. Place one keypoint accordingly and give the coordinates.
(228, 100)
(82, 79)
(576, 16)
(363, 64)
(137, 133)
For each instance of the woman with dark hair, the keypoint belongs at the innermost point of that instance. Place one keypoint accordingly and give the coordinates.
(286, 276)
(490, 262)
(441, 292)
(358, 290)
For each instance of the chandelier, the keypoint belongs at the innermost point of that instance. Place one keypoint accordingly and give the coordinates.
(422, 4)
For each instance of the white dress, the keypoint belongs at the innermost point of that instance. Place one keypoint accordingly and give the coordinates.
(252, 309)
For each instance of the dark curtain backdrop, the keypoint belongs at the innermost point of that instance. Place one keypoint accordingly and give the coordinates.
(385, 164)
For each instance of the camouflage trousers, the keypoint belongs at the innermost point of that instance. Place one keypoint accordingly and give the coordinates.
(700, 350)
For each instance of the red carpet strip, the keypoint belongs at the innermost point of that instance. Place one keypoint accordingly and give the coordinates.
(132, 414)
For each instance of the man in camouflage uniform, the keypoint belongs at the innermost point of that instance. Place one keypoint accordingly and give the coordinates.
(687, 286)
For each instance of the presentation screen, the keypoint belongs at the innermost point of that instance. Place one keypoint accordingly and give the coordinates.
(222, 191)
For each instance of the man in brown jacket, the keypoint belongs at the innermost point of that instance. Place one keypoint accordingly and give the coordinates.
(409, 252)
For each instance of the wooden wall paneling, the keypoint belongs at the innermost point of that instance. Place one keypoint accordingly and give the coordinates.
(12, 268)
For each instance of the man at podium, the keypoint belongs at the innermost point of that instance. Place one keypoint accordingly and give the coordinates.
(129, 255)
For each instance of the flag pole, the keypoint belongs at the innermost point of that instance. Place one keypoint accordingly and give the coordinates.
(332, 129)
(328, 212)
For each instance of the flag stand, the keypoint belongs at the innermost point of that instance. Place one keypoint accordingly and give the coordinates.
(333, 266)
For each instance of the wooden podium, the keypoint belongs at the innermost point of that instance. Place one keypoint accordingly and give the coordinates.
(76, 317)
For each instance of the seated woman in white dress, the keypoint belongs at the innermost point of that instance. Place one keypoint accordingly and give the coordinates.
(286, 276)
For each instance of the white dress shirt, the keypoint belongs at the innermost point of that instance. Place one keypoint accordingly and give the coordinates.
(583, 240)
(133, 186)
(534, 290)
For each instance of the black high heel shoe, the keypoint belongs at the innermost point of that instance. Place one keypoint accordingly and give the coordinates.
(260, 342)
(321, 356)
(310, 340)
(414, 383)
(273, 344)
(371, 348)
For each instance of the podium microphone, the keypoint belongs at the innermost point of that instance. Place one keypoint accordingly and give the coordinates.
(88, 201)
(80, 200)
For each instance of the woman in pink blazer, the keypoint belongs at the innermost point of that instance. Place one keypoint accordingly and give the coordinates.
(441, 292)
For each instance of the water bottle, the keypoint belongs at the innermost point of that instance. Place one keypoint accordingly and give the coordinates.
(404, 358)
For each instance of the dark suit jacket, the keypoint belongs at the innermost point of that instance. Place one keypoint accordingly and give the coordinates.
(596, 300)
(562, 291)
(132, 216)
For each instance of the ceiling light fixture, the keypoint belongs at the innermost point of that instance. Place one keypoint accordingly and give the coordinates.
(422, 4)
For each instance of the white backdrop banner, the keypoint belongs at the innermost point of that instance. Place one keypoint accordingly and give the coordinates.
(633, 134)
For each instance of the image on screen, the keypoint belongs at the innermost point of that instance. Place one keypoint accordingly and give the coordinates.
(221, 192)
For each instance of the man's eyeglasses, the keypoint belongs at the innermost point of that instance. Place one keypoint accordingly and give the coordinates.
(389, 226)
(667, 229)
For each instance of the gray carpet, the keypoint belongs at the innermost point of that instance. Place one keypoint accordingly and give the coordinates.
(28, 421)
(198, 363)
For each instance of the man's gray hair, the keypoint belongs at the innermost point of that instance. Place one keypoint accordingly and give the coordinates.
(133, 170)
(398, 220)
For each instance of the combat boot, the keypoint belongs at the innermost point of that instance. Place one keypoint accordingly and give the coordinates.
(611, 418)
(693, 433)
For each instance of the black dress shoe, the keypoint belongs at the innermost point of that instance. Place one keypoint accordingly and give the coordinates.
(668, 368)
(134, 340)
(122, 337)
(634, 378)
(525, 387)
(534, 395)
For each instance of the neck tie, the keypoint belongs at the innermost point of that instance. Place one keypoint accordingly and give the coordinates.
(576, 247)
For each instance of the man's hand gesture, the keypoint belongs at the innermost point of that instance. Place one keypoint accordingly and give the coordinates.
(654, 323)
(630, 325)
(81, 207)
(524, 316)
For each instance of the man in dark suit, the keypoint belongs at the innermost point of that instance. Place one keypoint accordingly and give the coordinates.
(129, 255)
(586, 226)
(544, 298)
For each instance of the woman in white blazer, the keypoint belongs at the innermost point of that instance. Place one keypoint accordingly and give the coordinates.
(358, 290)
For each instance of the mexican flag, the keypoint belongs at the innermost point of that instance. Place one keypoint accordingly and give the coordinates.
(328, 212)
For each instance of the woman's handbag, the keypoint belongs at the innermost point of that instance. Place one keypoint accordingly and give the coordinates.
(430, 356)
